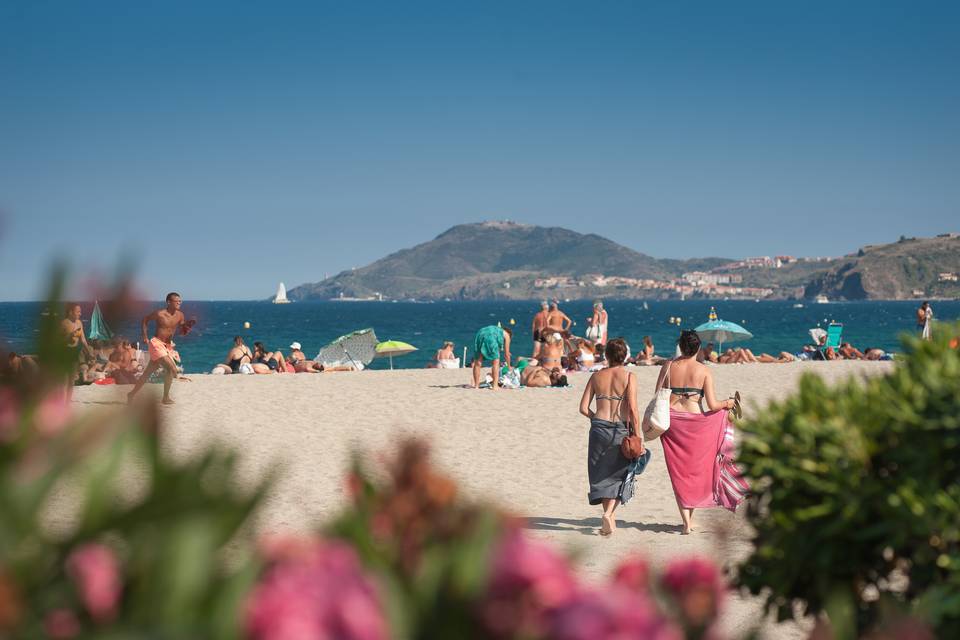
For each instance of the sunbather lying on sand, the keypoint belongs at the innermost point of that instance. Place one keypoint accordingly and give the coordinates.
(783, 357)
(536, 376)
(850, 352)
(738, 356)
(299, 361)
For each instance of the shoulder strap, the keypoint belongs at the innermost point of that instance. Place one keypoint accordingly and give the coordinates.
(666, 376)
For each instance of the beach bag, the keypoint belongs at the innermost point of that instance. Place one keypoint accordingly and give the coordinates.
(592, 333)
(631, 446)
(656, 418)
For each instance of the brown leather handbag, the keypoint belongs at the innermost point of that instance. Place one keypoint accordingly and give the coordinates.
(632, 445)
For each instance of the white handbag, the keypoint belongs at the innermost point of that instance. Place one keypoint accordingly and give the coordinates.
(656, 418)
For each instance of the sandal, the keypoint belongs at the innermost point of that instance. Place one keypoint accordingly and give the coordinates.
(737, 409)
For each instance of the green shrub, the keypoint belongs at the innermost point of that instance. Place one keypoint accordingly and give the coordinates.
(856, 504)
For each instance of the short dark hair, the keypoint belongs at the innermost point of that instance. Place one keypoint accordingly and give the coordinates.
(616, 351)
(172, 294)
(68, 307)
(689, 342)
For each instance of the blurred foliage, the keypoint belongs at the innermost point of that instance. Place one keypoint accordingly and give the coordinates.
(102, 532)
(430, 550)
(856, 495)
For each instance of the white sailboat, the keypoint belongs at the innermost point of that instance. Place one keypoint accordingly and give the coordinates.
(281, 297)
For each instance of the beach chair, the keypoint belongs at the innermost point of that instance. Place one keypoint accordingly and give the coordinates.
(834, 333)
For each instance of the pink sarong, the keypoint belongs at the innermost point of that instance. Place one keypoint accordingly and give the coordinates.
(692, 449)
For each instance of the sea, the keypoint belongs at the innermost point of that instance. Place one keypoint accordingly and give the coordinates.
(776, 325)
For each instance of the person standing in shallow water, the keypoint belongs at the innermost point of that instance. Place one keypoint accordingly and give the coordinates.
(161, 346)
(615, 391)
(925, 320)
(489, 343)
(539, 324)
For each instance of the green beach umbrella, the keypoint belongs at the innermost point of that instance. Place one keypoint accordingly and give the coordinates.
(98, 327)
(390, 348)
(722, 331)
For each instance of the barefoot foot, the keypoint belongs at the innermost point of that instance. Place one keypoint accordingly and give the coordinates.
(166, 401)
(608, 525)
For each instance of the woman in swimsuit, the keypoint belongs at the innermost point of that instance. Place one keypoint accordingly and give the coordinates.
(267, 361)
(551, 351)
(615, 391)
(691, 385)
(239, 354)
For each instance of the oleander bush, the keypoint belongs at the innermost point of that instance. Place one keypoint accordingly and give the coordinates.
(856, 503)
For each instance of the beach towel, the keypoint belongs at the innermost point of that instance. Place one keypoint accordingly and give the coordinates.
(696, 449)
(627, 486)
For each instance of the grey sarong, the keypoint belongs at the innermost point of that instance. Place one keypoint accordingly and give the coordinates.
(606, 466)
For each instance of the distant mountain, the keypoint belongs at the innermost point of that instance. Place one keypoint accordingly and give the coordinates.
(507, 260)
(475, 260)
(893, 271)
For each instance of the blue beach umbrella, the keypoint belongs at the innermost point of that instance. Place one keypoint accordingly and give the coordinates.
(722, 331)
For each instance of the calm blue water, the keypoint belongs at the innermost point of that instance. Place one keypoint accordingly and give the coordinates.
(777, 326)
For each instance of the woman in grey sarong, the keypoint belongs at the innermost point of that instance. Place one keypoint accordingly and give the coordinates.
(615, 391)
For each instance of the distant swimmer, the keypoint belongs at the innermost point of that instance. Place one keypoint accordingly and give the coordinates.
(539, 324)
(489, 343)
(162, 354)
(558, 320)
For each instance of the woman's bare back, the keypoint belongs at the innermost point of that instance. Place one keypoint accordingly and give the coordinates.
(610, 390)
(690, 375)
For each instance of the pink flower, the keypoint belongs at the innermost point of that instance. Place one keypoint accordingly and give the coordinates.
(528, 580)
(697, 589)
(52, 413)
(613, 613)
(61, 624)
(633, 573)
(96, 572)
(316, 592)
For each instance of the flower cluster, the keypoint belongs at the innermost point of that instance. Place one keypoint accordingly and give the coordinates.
(533, 593)
(315, 590)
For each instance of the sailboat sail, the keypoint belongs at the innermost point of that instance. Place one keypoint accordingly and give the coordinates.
(281, 297)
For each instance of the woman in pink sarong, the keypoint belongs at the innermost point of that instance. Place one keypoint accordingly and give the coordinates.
(692, 443)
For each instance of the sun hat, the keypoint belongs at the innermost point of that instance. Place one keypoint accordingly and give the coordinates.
(294, 345)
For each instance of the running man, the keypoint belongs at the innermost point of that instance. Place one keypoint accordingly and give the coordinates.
(488, 344)
(162, 354)
(557, 320)
(539, 324)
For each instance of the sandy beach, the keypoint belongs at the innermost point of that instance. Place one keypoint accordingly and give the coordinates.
(523, 449)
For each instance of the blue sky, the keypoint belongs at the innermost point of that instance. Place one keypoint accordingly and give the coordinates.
(228, 146)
